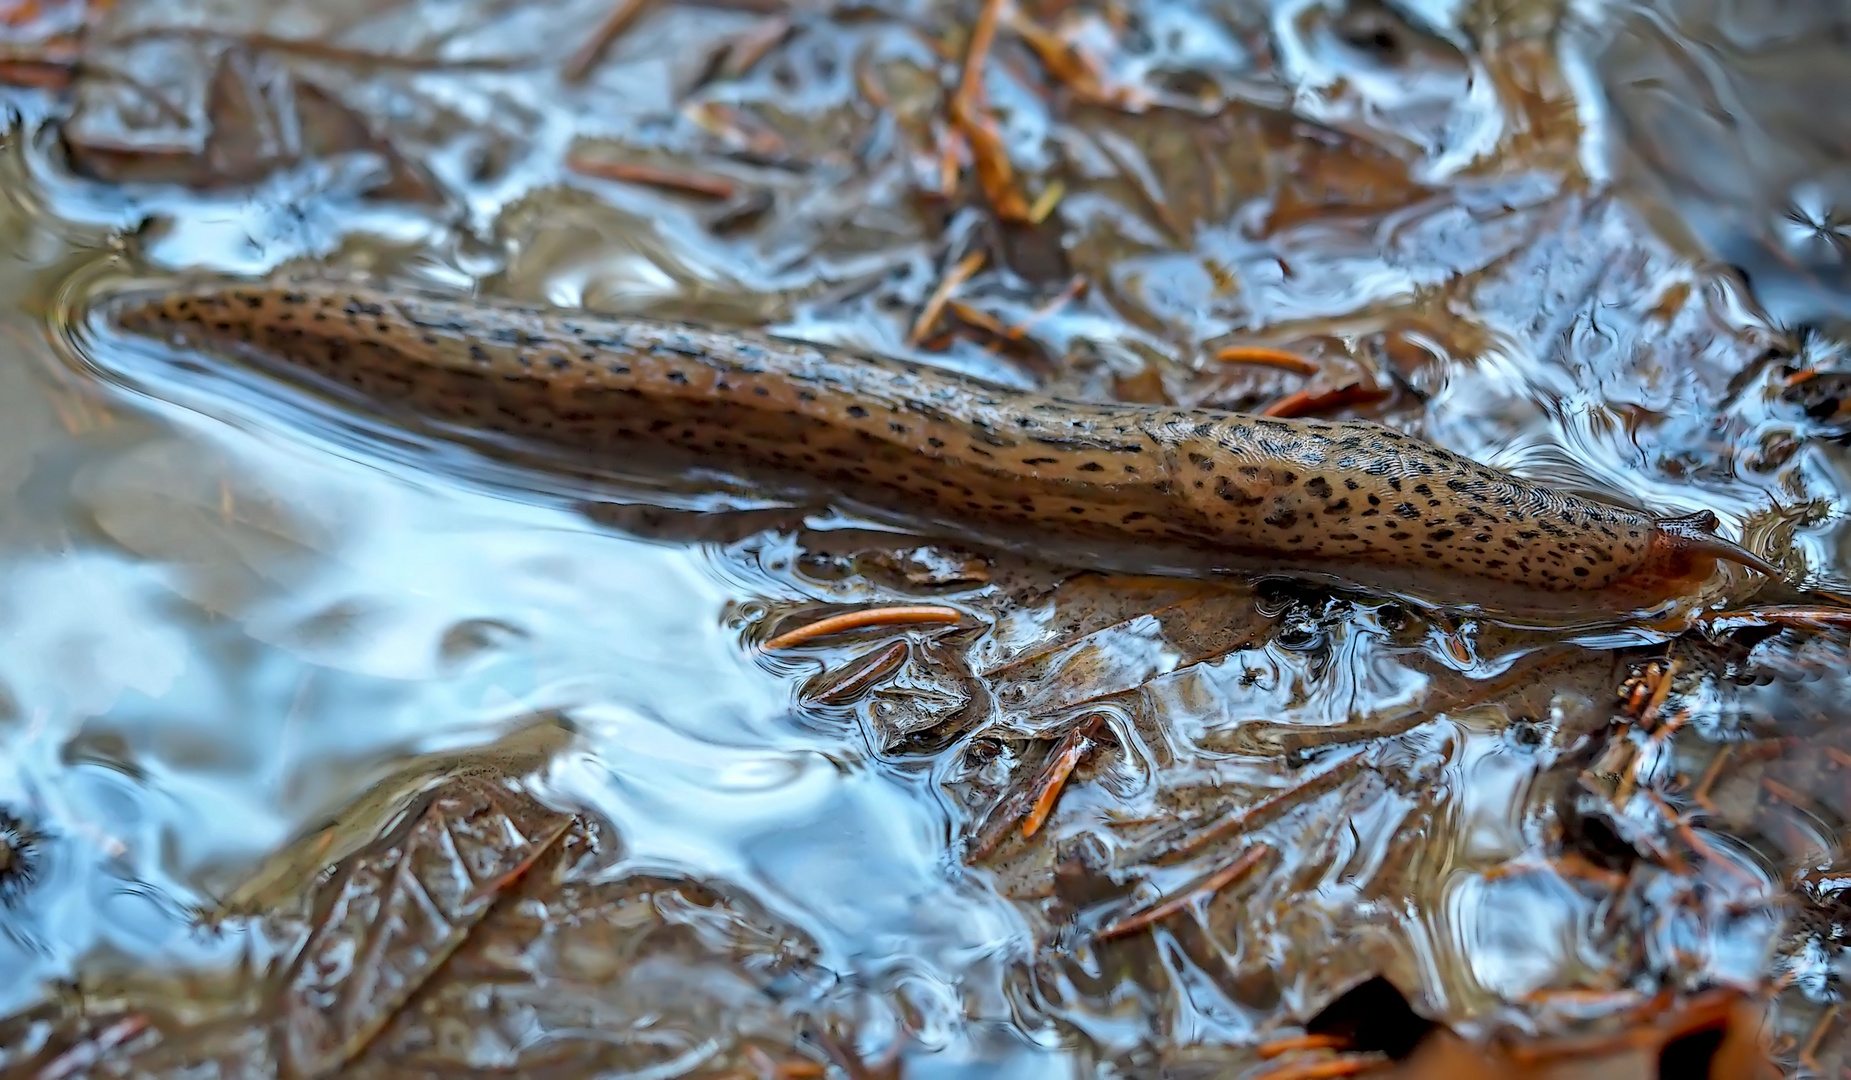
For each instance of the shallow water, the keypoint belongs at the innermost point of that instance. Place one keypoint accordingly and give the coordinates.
(237, 618)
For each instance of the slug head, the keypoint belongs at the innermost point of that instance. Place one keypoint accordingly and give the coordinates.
(1688, 548)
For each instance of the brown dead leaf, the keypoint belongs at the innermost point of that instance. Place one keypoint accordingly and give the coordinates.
(467, 920)
(395, 915)
(1100, 636)
(259, 119)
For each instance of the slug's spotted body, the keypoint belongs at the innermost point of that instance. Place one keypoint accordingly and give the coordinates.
(932, 444)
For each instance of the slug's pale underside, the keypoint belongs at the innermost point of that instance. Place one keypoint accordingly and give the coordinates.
(1352, 500)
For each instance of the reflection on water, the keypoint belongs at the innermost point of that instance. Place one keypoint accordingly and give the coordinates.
(247, 635)
(1717, 106)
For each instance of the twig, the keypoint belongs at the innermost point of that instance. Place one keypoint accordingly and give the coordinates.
(1697, 844)
(1075, 286)
(750, 47)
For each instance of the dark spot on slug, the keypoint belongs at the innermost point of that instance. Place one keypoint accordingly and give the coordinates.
(1282, 517)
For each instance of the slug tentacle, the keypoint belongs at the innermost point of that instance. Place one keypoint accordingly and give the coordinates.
(1696, 534)
(935, 445)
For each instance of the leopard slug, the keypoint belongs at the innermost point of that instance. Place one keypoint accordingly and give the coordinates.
(920, 441)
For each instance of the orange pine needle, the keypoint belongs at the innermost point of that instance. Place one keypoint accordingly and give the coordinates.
(1078, 72)
(1701, 793)
(995, 174)
(1809, 1054)
(1656, 1019)
(977, 53)
(1322, 1070)
(1635, 699)
(1266, 356)
(1783, 792)
(1572, 866)
(950, 157)
(1579, 867)
(1055, 783)
(764, 1068)
(1629, 776)
(1669, 728)
(1303, 402)
(1287, 1044)
(935, 304)
(900, 615)
(1661, 689)
(1073, 750)
(977, 317)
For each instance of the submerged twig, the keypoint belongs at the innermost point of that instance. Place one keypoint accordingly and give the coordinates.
(706, 185)
(856, 677)
(1265, 808)
(620, 19)
(1215, 882)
